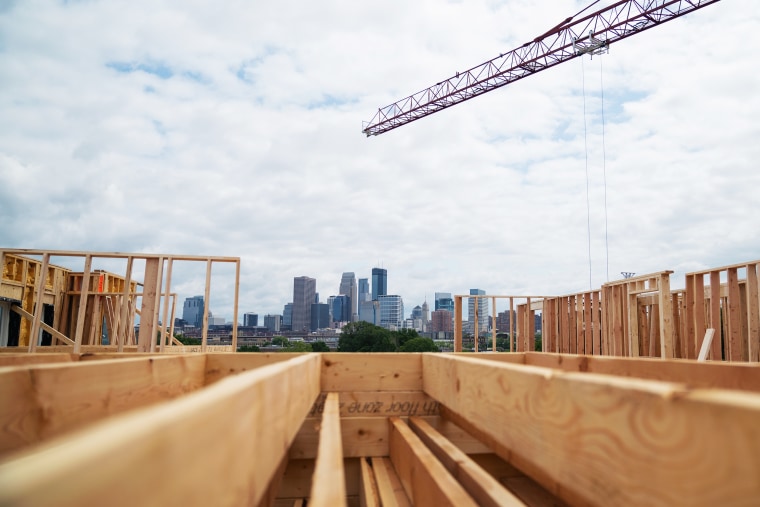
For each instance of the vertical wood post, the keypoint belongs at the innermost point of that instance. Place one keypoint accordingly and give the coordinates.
(124, 321)
(753, 313)
(83, 296)
(666, 317)
(38, 307)
(207, 295)
(165, 328)
(235, 310)
(457, 323)
(493, 324)
(147, 334)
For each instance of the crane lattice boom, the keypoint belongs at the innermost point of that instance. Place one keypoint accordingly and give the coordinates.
(564, 42)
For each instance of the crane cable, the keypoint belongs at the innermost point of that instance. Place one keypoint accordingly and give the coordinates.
(604, 169)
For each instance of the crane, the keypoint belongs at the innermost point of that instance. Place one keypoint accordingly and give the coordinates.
(591, 34)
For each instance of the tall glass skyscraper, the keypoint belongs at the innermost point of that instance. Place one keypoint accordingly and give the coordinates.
(304, 295)
(391, 311)
(379, 283)
(348, 289)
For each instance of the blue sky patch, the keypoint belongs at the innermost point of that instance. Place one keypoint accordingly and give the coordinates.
(156, 68)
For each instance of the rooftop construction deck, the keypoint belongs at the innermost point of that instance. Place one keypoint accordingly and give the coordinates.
(616, 411)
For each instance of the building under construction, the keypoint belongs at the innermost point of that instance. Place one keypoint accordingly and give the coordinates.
(643, 395)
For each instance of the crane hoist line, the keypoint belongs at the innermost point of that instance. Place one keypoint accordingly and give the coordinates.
(571, 38)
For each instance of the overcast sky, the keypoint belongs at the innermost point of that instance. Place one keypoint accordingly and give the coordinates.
(234, 128)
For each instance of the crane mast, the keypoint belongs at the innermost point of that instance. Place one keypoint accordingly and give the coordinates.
(571, 38)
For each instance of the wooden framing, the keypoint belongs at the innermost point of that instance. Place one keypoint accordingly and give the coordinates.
(377, 429)
(84, 301)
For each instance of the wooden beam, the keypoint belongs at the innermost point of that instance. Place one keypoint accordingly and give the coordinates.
(328, 486)
(368, 495)
(371, 372)
(81, 311)
(68, 396)
(39, 307)
(741, 376)
(483, 487)
(151, 290)
(60, 336)
(425, 480)
(389, 486)
(715, 317)
(626, 433)
(227, 440)
(753, 313)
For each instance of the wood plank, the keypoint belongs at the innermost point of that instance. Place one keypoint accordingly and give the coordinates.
(380, 404)
(753, 313)
(328, 486)
(667, 349)
(371, 372)
(389, 486)
(297, 479)
(600, 440)
(700, 326)
(482, 486)
(740, 376)
(425, 480)
(39, 358)
(715, 320)
(219, 366)
(733, 317)
(368, 494)
(239, 428)
(68, 396)
(596, 322)
(522, 486)
(82, 307)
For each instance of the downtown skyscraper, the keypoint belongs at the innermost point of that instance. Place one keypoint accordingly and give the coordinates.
(304, 295)
(348, 288)
(379, 283)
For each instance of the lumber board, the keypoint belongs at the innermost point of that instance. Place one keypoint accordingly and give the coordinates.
(389, 486)
(368, 436)
(10, 359)
(368, 495)
(225, 442)
(297, 479)
(526, 489)
(694, 374)
(482, 486)
(601, 440)
(221, 365)
(371, 372)
(425, 479)
(328, 486)
(379, 404)
(67, 396)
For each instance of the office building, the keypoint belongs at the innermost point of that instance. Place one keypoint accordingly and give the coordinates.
(320, 316)
(442, 321)
(192, 311)
(272, 323)
(379, 283)
(391, 311)
(348, 289)
(250, 319)
(364, 293)
(304, 295)
(369, 311)
(287, 317)
(477, 308)
(444, 301)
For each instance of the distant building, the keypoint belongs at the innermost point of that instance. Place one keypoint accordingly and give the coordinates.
(391, 311)
(364, 293)
(379, 283)
(480, 311)
(304, 295)
(250, 319)
(503, 321)
(320, 316)
(348, 289)
(272, 323)
(340, 308)
(442, 321)
(192, 311)
(287, 317)
(444, 301)
(425, 315)
(369, 311)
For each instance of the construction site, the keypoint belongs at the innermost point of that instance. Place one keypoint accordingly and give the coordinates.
(642, 391)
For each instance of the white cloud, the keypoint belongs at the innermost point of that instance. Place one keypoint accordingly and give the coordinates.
(234, 129)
